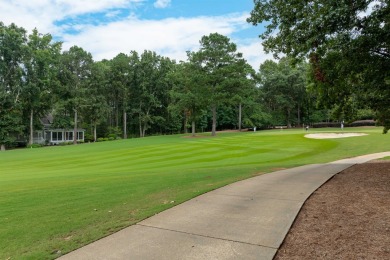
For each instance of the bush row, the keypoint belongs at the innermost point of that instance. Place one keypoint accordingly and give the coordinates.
(111, 138)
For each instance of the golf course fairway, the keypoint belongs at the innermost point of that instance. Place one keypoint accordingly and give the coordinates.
(56, 199)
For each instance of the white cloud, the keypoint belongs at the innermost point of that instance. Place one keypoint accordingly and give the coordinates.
(42, 14)
(253, 52)
(162, 3)
(170, 37)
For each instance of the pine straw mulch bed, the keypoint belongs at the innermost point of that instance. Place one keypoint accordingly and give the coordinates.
(347, 218)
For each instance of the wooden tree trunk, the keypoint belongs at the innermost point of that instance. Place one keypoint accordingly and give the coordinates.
(94, 132)
(193, 128)
(239, 116)
(31, 141)
(214, 126)
(140, 127)
(288, 118)
(144, 130)
(185, 123)
(2, 148)
(75, 127)
(124, 124)
(299, 116)
(117, 115)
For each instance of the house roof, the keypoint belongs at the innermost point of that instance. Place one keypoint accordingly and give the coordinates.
(47, 120)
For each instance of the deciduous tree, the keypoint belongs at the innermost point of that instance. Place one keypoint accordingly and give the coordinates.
(347, 43)
(12, 49)
(39, 76)
(75, 71)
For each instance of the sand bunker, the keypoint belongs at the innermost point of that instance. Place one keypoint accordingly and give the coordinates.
(332, 135)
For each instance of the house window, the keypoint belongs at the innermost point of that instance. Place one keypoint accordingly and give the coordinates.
(37, 135)
(80, 135)
(56, 136)
(69, 136)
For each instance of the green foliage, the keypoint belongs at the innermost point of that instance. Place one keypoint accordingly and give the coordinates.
(187, 96)
(10, 126)
(35, 145)
(65, 143)
(88, 137)
(97, 107)
(150, 98)
(74, 75)
(283, 90)
(114, 132)
(12, 48)
(103, 139)
(347, 43)
(219, 65)
(39, 74)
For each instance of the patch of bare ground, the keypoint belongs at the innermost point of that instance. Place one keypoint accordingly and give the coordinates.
(347, 218)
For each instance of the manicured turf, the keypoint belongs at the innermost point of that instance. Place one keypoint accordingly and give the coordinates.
(56, 199)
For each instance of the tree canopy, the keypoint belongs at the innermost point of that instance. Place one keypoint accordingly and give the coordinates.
(218, 59)
(347, 43)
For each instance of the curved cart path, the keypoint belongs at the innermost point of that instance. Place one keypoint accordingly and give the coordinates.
(245, 220)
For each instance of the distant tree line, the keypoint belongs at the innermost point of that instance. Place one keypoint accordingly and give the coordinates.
(139, 94)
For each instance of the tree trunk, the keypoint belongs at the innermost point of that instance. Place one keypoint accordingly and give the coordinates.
(299, 116)
(94, 132)
(288, 118)
(144, 130)
(193, 128)
(2, 147)
(75, 127)
(214, 126)
(31, 141)
(239, 116)
(140, 127)
(124, 124)
(117, 115)
(185, 123)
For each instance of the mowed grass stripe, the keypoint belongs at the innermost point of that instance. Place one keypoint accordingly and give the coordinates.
(60, 198)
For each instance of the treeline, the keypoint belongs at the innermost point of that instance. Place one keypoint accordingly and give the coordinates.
(139, 94)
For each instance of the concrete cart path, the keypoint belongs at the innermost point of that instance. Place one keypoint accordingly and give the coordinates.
(245, 220)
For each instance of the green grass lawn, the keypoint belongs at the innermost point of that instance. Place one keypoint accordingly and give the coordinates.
(56, 199)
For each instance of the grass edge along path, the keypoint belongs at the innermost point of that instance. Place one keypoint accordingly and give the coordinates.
(56, 199)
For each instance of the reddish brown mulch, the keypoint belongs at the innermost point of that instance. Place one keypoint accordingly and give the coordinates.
(347, 218)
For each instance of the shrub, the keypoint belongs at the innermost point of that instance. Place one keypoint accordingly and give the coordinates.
(88, 138)
(113, 136)
(65, 143)
(114, 132)
(35, 146)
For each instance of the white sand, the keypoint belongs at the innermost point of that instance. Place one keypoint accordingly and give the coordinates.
(332, 135)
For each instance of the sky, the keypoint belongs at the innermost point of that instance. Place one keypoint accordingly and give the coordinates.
(106, 28)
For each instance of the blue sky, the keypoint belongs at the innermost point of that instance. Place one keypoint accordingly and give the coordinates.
(108, 27)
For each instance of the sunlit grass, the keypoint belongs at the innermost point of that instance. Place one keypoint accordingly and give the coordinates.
(56, 199)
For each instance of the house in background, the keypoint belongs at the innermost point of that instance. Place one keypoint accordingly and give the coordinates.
(50, 136)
